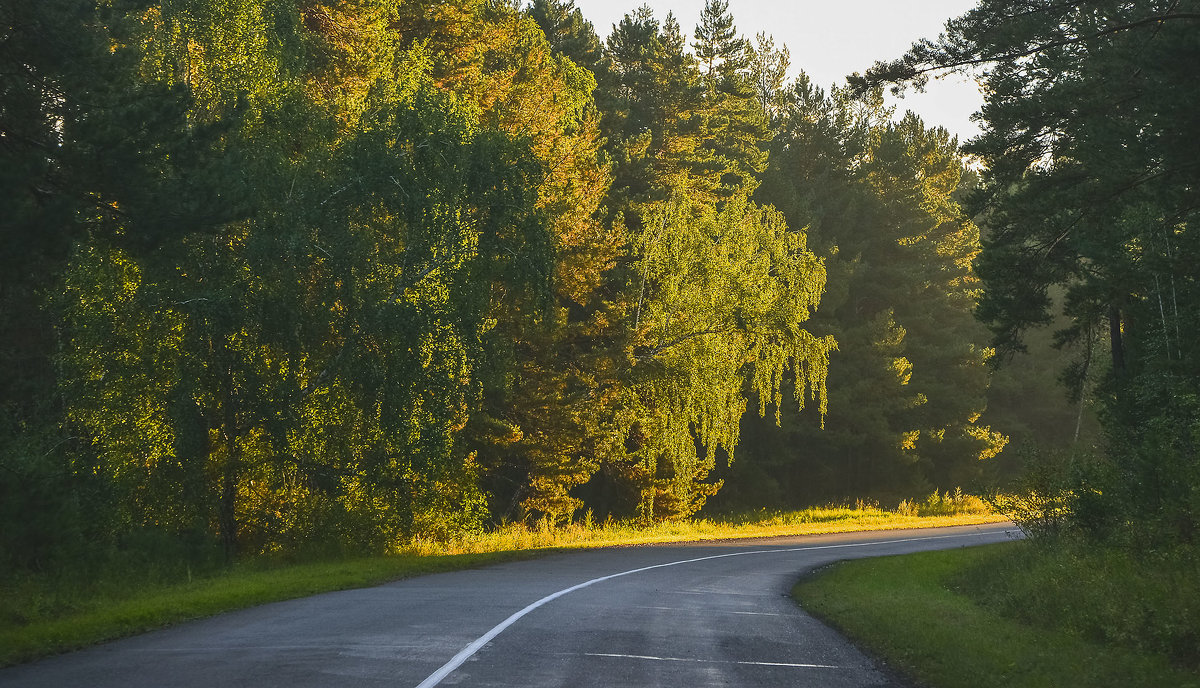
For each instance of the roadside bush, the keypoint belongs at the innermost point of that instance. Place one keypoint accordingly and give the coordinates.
(1158, 485)
(1062, 492)
(52, 516)
(1118, 596)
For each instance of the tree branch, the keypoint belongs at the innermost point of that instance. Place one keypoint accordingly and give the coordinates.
(326, 373)
(652, 352)
(879, 73)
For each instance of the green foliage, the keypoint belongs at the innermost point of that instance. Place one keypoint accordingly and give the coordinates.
(718, 46)
(1008, 615)
(879, 200)
(1110, 596)
(651, 100)
(721, 299)
(296, 362)
(711, 296)
(567, 31)
(768, 73)
(1088, 190)
(332, 276)
(1060, 493)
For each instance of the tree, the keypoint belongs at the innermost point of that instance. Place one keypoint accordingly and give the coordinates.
(768, 74)
(720, 302)
(916, 173)
(567, 31)
(533, 430)
(1089, 189)
(908, 381)
(651, 103)
(299, 362)
(691, 335)
(38, 44)
(735, 122)
(100, 151)
(719, 48)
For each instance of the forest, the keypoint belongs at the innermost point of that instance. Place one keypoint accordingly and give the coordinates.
(331, 275)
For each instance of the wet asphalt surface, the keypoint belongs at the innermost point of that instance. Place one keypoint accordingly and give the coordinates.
(702, 614)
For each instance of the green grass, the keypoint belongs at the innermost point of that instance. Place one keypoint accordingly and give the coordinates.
(942, 618)
(1142, 600)
(40, 616)
(106, 610)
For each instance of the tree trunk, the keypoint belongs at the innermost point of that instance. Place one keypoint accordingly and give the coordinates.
(229, 477)
(1115, 336)
(228, 515)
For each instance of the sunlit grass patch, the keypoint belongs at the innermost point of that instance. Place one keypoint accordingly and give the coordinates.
(936, 510)
(763, 523)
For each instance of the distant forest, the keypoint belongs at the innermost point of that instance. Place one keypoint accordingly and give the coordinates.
(361, 271)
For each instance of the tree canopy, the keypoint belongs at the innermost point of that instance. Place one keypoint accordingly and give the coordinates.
(1089, 196)
(337, 275)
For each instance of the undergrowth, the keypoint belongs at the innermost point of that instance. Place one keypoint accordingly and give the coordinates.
(1143, 601)
(937, 509)
(1008, 615)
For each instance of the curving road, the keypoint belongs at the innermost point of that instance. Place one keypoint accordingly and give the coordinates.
(687, 615)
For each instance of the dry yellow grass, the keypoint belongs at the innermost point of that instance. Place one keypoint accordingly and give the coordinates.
(968, 510)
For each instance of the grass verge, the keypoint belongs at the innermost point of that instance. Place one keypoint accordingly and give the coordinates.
(759, 524)
(112, 611)
(926, 616)
(45, 616)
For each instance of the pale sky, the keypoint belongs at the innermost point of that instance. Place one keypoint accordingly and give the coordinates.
(830, 39)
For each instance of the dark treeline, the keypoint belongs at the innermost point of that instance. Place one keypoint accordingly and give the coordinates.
(1091, 192)
(333, 275)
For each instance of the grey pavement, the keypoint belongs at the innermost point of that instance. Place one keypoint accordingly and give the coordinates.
(704, 614)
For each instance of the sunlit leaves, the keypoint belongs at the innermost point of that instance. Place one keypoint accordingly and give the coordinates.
(721, 299)
(311, 363)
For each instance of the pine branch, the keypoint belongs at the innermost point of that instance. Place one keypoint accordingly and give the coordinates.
(897, 71)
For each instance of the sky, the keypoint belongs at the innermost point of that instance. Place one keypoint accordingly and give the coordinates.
(830, 39)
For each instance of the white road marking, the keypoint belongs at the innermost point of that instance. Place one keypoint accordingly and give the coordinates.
(467, 652)
(711, 611)
(712, 661)
(280, 648)
(711, 593)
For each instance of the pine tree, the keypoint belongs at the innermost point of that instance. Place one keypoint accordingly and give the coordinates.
(568, 32)
(719, 48)
(768, 73)
(1088, 186)
(908, 381)
(735, 123)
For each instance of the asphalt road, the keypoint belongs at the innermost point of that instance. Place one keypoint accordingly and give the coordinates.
(687, 615)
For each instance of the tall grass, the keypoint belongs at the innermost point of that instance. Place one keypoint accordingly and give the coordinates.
(1147, 602)
(1000, 616)
(944, 504)
(945, 509)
